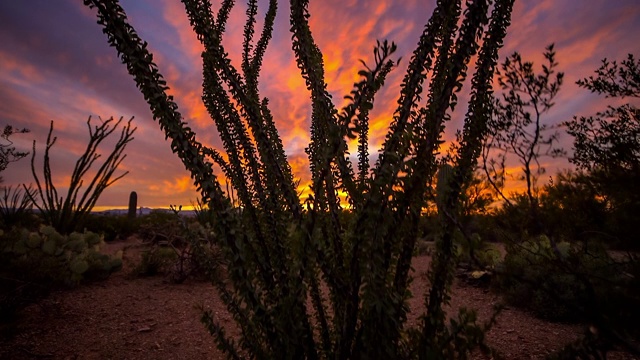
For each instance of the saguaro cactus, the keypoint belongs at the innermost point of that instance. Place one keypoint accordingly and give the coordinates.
(133, 204)
(445, 176)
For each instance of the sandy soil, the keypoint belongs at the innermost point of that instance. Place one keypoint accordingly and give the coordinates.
(128, 317)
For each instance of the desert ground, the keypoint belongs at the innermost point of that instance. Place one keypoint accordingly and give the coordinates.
(133, 317)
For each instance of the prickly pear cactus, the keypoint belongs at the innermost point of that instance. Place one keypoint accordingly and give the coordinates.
(65, 259)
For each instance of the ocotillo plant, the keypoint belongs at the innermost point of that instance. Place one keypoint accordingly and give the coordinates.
(281, 250)
(67, 213)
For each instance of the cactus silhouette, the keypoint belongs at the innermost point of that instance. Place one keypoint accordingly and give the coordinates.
(443, 186)
(133, 204)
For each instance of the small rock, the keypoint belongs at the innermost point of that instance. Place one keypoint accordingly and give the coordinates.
(144, 329)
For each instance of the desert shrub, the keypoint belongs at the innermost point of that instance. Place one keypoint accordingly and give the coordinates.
(477, 253)
(8, 152)
(561, 283)
(179, 247)
(203, 214)
(559, 202)
(470, 238)
(160, 226)
(583, 283)
(528, 278)
(15, 207)
(112, 227)
(472, 251)
(428, 227)
(606, 147)
(513, 220)
(15, 295)
(617, 206)
(156, 260)
(424, 247)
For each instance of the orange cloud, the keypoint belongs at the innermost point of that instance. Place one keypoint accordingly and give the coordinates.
(174, 186)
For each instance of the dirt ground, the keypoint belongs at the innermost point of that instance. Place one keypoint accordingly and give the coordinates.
(128, 317)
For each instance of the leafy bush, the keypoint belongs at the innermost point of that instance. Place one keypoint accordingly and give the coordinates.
(179, 247)
(161, 226)
(112, 227)
(477, 253)
(555, 283)
(581, 283)
(156, 260)
(203, 214)
(606, 147)
(568, 192)
(8, 153)
(471, 249)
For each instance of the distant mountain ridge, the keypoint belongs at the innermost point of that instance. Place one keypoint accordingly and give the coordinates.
(141, 211)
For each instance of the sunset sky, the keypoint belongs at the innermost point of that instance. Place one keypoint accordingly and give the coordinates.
(55, 64)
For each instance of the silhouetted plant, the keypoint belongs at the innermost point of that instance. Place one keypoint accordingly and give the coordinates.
(15, 205)
(606, 150)
(204, 215)
(573, 210)
(111, 226)
(66, 213)
(576, 282)
(607, 147)
(279, 250)
(133, 205)
(611, 140)
(177, 247)
(517, 130)
(8, 153)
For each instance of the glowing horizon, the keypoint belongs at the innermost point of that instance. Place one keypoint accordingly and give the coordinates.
(56, 64)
